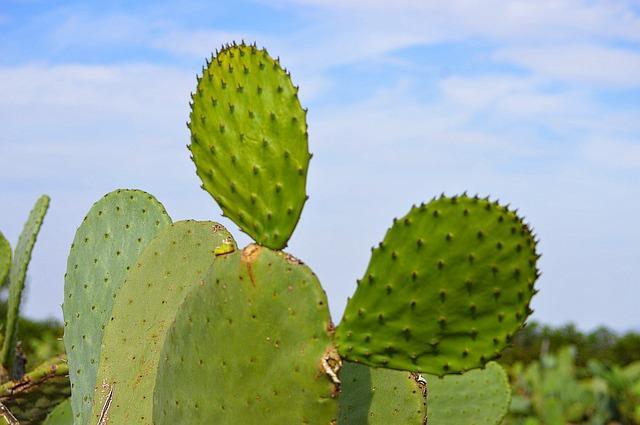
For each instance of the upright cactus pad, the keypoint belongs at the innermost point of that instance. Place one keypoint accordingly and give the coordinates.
(61, 415)
(172, 263)
(251, 345)
(477, 397)
(17, 276)
(371, 396)
(445, 291)
(5, 259)
(107, 244)
(249, 142)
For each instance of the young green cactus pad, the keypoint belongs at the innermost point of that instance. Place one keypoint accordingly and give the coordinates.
(477, 397)
(31, 398)
(17, 276)
(61, 415)
(107, 243)
(176, 260)
(445, 291)
(380, 396)
(249, 142)
(252, 345)
(5, 259)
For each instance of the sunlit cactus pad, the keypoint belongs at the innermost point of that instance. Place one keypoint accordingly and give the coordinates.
(146, 304)
(445, 291)
(375, 396)
(249, 142)
(5, 259)
(248, 347)
(478, 397)
(107, 244)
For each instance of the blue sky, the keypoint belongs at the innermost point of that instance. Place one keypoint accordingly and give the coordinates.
(534, 103)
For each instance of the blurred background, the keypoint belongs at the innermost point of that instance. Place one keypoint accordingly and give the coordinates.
(533, 103)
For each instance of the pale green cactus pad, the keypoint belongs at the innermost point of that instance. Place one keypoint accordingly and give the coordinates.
(248, 347)
(249, 142)
(477, 397)
(61, 415)
(172, 263)
(106, 245)
(372, 396)
(5, 259)
(445, 291)
(17, 276)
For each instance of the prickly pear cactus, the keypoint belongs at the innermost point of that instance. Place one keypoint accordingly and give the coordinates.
(5, 259)
(252, 344)
(477, 397)
(146, 304)
(445, 291)
(17, 276)
(61, 415)
(31, 398)
(380, 396)
(249, 142)
(113, 234)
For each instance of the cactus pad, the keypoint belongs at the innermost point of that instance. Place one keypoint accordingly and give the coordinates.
(5, 259)
(176, 260)
(445, 291)
(249, 142)
(261, 328)
(61, 415)
(17, 276)
(380, 396)
(106, 245)
(477, 397)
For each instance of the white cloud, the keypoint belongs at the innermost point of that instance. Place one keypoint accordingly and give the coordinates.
(80, 130)
(590, 64)
(511, 20)
(614, 153)
(199, 43)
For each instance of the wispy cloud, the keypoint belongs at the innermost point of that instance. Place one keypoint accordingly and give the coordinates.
(578, 64)
(535, 116)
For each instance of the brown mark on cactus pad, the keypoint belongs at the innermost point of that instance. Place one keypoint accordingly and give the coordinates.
(249, 255)
(331, 364)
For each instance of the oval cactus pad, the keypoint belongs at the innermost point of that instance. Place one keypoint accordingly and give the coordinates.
(249, 142)
(176, 260)
(477, 397)
(250, 346)
(376, 396)
(445, 291)
(107, 244)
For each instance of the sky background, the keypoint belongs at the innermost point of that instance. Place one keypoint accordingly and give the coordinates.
(536, 103)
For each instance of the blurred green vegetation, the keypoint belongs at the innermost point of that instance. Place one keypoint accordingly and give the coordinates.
(40, 340)
(602, 344)
(559, 376)
(563, 376)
